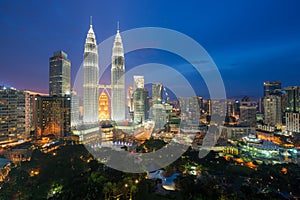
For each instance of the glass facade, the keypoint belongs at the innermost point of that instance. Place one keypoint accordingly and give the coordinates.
(118, 80)
(59, 74)
(293, 99)
(156, 93)
(90, 79)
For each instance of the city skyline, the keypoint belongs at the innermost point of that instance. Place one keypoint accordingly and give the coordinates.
(258, 40)
(149, 100)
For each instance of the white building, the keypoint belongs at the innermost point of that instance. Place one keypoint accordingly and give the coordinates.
(118, 80)
(90, 78)
(292, 122)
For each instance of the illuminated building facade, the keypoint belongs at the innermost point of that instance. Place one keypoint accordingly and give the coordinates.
(14, 114)
(272, 111)
(74, 109)
(293, 99)
(130, 103)
(235, 132)
(157, 111)
(156, 93)
(118, 80)
(139, 82)
(292, 122)
(53, 116)
(190, 111)
(103, 107)
(90, 78)
(248, 113)
(59, 74)
(140, 98)
(292, 109)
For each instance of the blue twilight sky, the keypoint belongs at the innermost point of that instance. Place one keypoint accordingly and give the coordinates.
(250, 41)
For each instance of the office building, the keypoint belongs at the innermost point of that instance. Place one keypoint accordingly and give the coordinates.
(156, 93)
(190, 112)
(75, 120)
(130, 103)
(14, 114)
(53, 116)
(140, 100)
(272, 88)
(248, 111)
(292, 122)
(272, 111)
(292, 99)
(59, 74)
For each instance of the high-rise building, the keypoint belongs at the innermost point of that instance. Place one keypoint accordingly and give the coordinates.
(103, 107)
(207, 107)
(14, 114)
(272, 111)
(292, 109)
(156, 93)
(130, 104)
(90, 78)
(248, 111)
(59, 74)
(74, 109)
(157, 111)
(139, 82)
(53, 116)
(272, 88)
(293, 99)
(159, 115)
(236, 108)
(190, 112)
(292, 122)
(230, 108)
(140, 97)
(118, 80)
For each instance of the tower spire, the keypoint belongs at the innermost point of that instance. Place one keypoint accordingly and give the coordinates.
(118, 27)
(91, 21)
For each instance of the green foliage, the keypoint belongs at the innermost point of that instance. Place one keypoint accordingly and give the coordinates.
(71, 174)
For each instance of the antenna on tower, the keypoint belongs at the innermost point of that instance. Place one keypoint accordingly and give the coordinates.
(118, 27)
(91, 21)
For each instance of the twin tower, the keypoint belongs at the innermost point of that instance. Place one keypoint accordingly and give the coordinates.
(91, 79)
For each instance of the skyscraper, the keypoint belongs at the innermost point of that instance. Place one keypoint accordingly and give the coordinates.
(293, 122)
(14, 114)
(140, 97)
(293, 99)
(248, 112)
(130, 105)
(53, 116)
(156, 93)
(74, 109)
(272, 88)
(59, 75)
(90, 78)
(292, 109)
(272, 111)
(118, 80)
